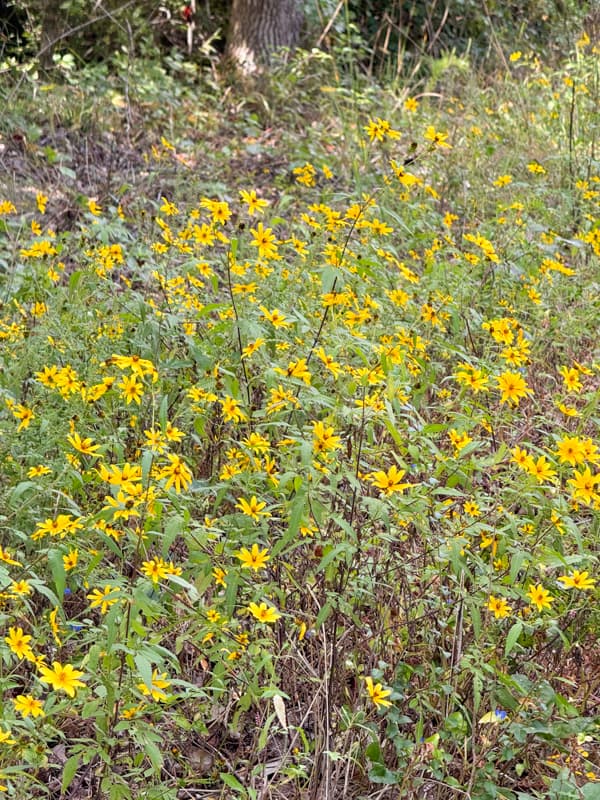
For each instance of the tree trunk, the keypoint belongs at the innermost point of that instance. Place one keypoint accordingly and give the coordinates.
(259, 27)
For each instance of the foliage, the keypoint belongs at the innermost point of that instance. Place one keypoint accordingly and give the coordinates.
(102, 31)
(399, 30)
(395, 38)
(299, 436)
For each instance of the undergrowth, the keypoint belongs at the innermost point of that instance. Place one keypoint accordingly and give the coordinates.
(299, 438)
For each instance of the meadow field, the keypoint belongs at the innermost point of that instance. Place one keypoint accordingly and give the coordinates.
(299, 433)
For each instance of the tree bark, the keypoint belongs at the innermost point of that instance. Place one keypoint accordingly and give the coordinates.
(257, 28)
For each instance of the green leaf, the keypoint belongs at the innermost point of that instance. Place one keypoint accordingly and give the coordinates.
(111, 620)
(516, 564)
(232, 782)
(90, 709)
(147, 461)
(448, 491)
(591, 791)
(57, 568)
(75, 279)
(323, 614)
(67, 172)
(477, 691)
(39, 586)
(476, 620)
(512, 637)
(343, 547)
(69, 770)
(434, 428)
(262, 739)
(172, 529)
(183, 583)
(297, 512)
(373, 752)
(51, 154)
(163, 412)
(118, 791)
(231, 592)
(20, 489)
(379, 773)
(394, 433)
(144, 667)
(154, 754)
